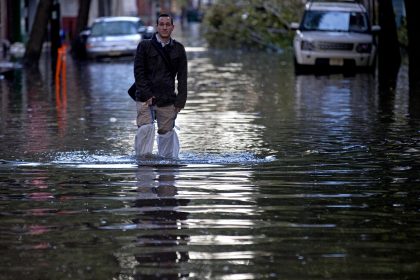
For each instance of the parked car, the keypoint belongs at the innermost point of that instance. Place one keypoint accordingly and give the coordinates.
(334, 34)
(115, 36)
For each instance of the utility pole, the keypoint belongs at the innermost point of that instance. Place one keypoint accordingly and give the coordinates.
(55, 33)
(413, 21)
(36, 38)
(77, 45)
(389, 57)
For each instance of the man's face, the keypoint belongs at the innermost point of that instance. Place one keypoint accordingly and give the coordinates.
(165, 27)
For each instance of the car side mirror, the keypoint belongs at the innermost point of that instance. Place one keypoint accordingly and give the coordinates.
(294, 26)
(141, 29)
(376, 28)
(85, 33)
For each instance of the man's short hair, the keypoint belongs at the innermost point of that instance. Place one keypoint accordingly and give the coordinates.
(164, 15)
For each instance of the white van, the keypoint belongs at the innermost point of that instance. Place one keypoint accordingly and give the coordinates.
(334, 34)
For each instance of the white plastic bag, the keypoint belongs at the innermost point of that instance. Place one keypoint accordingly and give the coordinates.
(168, 144)
(145, 137)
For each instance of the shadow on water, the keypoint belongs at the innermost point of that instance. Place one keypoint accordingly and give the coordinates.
(414, 105)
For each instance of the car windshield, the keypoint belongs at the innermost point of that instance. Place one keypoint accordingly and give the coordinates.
(113, 28)
(335, 21)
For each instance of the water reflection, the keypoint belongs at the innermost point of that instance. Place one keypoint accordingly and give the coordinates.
(159, 249)
(414, 107)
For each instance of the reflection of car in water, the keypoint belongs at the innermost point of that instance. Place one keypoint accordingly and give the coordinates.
(334, 34)
(335, 102)
(115, 36)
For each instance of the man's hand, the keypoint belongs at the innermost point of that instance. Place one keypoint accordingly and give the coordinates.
(150, 101)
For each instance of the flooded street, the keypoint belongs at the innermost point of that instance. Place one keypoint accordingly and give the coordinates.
(279, 177)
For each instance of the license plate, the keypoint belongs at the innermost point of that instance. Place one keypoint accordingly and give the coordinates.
(115, 53)
(336, 61)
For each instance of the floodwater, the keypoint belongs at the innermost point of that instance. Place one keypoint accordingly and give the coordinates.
(279, 177)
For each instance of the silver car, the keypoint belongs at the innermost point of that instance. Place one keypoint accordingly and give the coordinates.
(115, 36)
(334, 34)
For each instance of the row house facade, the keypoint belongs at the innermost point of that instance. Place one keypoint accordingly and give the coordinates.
(17, 16)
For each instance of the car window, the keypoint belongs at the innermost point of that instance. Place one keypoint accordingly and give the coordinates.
(113, 28)
(334, 21)
(358, 22)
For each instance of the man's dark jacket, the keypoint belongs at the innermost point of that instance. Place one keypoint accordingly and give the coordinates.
(155, 77)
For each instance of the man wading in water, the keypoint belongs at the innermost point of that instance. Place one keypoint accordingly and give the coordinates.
(157, 63)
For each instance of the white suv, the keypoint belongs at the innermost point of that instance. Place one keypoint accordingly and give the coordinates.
(334, 34)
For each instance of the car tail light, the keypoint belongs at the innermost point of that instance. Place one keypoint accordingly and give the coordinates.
(364, 48)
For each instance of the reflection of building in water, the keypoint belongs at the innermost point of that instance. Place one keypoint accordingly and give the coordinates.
(157, 249)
